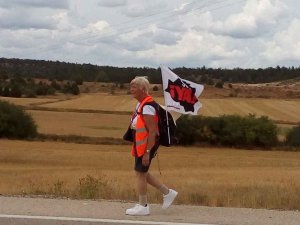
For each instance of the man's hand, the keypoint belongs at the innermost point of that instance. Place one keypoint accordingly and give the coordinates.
(146, 159)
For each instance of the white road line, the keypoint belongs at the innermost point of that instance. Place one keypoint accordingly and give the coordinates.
(94, 220)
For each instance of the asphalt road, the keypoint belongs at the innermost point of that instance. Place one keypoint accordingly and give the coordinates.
(41, 211)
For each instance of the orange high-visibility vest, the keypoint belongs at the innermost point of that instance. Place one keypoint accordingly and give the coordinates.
(141, 132)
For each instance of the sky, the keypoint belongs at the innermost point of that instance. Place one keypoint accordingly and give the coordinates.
(144, 33)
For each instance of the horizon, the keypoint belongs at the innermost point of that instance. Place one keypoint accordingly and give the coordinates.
(200, 67)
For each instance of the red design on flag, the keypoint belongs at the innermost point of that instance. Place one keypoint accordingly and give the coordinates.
(180, 95)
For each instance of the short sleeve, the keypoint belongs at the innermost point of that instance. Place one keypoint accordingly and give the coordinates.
(149, 110)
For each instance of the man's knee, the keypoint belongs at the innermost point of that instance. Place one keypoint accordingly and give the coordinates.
(141, 175)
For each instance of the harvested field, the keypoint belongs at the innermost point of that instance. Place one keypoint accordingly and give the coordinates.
(27, 101)
(84, 124)
(280, 110)
(203, 176)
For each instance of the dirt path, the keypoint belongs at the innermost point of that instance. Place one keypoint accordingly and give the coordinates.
(55, 210)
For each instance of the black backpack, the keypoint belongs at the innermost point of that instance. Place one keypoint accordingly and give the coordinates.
(163, 125)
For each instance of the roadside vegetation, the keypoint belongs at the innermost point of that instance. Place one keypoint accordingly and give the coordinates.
(204, 176)
(15, 122)
(228, 130)
(293, 137)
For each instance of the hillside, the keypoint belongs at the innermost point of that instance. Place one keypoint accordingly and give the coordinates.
(289, 89)
(88, 72)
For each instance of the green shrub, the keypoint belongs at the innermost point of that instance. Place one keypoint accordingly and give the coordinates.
(41, 89)
(29, 93)
(15, 122)
(75, 89)
(6, 91)
(210, 81)
(247, 131)
(187, 127)
(219, 84)
(229, 130)
(16, 91)
(71, 88)
(293, 137)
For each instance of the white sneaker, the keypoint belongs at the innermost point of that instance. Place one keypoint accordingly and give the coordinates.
(169, 198)
(138, 210)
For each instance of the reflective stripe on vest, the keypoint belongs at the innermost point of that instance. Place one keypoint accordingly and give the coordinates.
(141, 133)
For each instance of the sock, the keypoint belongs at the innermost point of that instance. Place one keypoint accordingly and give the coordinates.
(143, 200)
(164, 189)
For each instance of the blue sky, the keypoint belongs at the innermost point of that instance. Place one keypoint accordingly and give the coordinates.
(176, 33)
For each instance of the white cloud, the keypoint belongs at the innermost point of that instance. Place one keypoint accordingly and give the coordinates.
(192, 48)
(94, 33)
(63, 22)
(285, 45)
(165, 37)
(30, 14)
(144, 8)
(144, 39)
(56, 4)
(112, 3)
(254, 33)
(23, 39)
(257, 18)
(138, 40)
(98, 26)
(18, 19)
(176, 26)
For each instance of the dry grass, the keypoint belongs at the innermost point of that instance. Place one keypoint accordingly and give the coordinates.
(97, 101)
(281, 110)
(276, 109)
(84, 124)
(203, 176)
(27, 101)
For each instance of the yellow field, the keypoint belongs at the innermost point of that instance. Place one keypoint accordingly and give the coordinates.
(276, 109)
(114, 125)
(204, 176)
(84, 124)
(98, 101)
(27, 101)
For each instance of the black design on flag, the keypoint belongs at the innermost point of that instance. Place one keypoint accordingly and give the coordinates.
(183, 93)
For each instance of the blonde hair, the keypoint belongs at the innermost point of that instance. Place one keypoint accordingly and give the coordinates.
(142, 83)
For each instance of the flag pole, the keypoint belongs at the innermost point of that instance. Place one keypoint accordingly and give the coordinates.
(169, 138)
(168, 125)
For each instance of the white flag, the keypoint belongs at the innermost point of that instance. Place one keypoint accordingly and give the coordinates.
(180, 95)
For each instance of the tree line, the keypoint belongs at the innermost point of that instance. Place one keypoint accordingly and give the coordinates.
(27, 87)
(55, 70)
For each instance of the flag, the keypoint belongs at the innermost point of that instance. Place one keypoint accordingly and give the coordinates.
(180, 95)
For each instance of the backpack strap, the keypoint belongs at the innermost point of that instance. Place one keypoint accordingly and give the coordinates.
(139, 110)
(144, 102)
(154, 104)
